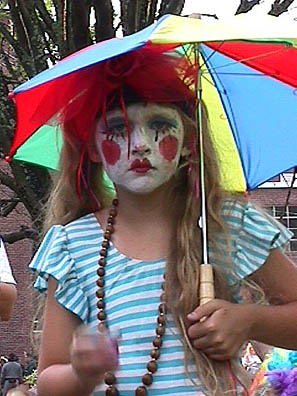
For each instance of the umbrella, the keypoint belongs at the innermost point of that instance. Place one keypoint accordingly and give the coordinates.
(248, 77)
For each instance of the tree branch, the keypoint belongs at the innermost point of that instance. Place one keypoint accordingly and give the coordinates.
(278, 7)
(25, 232)
(104, 13)
(8, 207)
(78, 33)
(174, 7)
(151, 11)
(15, 45)
(45, 16)
(8, 181)
(246, 6)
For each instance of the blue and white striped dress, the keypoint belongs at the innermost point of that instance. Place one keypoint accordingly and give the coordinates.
(133, 287)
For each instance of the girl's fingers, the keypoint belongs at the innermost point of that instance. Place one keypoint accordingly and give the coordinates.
(197, 330)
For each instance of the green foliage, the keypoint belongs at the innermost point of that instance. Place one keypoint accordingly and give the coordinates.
(31, 379)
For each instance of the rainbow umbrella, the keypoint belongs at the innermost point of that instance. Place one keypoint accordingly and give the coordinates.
(248, 78)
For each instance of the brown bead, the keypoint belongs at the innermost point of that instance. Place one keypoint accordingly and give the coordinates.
(102, 328)
(155, 354)
(110, 220)
(152, 366)
(147, 379)
(115, 202)
(101, 315)
(100, 304)
(109, 378)
(100, 282)
(140, 391)
(100, 293)
(110, 228)
(160, 330)
(162, 308)
(111, 391)
(113, 212)
(107, 235)
(157, 342)
(105, 244)
(161, 319)
(163, 297)
(100, 271)
(103, 252)
(102, 262)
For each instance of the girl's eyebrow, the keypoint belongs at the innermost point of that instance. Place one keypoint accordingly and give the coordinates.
(163, 116)
(114, 118)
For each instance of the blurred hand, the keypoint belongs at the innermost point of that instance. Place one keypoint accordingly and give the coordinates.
(223, 329)
(92, 354)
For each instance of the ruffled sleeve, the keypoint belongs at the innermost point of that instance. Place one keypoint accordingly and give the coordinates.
(53, 259)
(254, 234)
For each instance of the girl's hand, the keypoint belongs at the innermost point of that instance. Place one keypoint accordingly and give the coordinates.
(223, 330)
(92, 354)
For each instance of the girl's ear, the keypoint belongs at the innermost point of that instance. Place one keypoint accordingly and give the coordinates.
(92, 148)
(93, 152)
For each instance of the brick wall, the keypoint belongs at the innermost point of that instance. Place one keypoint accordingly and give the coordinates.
(15, 334)
(273, 196)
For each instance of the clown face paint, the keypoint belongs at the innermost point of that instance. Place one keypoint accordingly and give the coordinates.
(156, 133)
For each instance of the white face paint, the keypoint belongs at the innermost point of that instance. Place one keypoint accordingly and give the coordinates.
(157, 135)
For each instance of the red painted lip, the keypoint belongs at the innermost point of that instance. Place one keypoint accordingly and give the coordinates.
(139, 166)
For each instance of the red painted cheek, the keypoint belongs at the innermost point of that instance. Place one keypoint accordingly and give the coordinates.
(168, 147)
(111, 151)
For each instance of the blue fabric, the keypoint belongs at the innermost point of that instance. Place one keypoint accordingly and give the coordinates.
(92, 55)
(133, 287)
(255, 106)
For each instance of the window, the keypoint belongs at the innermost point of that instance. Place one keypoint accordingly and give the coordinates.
(287, 215)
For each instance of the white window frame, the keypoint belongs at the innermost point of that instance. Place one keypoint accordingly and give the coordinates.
(287, 215)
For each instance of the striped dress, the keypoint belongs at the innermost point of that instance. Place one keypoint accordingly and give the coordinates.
(133, 287)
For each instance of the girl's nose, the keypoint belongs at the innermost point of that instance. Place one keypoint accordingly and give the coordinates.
(139, 143)
(141, 149)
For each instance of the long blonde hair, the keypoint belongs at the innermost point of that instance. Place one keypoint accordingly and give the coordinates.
(182, 267)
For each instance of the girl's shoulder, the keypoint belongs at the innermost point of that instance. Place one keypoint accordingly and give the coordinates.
(78, 229)
(252, 224)
(237, 211)
(87, 221)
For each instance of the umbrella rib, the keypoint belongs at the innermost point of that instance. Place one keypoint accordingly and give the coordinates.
(243, 60)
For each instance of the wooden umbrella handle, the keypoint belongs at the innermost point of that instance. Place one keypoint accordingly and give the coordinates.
(206, 287)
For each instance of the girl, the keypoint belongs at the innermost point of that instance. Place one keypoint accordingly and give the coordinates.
(129, 265)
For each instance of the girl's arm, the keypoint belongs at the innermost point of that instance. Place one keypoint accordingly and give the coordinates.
(276, 324)
(8, 295)
(68, 368)
(227, 326)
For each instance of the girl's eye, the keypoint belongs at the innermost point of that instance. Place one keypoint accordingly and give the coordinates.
(161, 125)
(117, 130)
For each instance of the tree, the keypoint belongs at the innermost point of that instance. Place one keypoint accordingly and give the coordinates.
(278, 7)
(36, 33)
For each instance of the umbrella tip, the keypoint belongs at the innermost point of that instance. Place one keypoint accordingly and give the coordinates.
(7, 158)
(11, 95)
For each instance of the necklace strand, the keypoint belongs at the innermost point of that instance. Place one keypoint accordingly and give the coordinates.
(152, 367)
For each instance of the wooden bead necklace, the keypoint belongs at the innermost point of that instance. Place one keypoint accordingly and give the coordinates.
(109, 377)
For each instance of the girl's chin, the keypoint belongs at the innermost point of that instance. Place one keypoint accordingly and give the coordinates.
(143, 189)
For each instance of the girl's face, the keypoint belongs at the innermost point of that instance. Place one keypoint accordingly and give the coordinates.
(156, 133)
